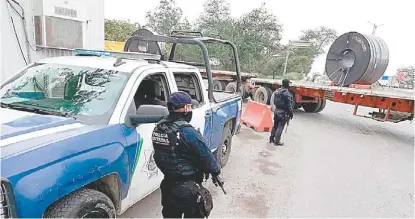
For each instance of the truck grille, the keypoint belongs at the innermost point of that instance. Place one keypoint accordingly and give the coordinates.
(8, 207)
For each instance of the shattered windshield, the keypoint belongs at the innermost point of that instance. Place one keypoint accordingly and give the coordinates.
(87, 94)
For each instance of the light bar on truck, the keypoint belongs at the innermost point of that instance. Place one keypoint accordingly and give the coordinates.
(86, 52)
(116, 54)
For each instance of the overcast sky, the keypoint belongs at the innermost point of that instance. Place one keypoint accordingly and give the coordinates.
(397, 18)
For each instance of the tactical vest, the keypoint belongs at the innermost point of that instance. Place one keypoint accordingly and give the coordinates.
(171, 153)
(278, 100)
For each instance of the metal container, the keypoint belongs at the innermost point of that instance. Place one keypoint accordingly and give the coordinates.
(355, 58)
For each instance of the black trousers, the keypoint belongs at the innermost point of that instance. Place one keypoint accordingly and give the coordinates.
(178, 200)
(278, 127)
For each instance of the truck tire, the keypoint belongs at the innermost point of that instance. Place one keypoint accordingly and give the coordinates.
(271, 101)
(262, 96)
(269, 91)
(312, 107)
(231, 87)
(322, 106)
(297, 105)
(82, 203)
(217, 85)
(224, 149)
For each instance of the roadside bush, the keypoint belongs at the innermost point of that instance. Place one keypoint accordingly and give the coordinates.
(294, 76)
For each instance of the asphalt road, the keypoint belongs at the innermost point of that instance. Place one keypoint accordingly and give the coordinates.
(333, 164)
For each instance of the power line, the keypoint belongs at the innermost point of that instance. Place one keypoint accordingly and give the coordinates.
(15, 32)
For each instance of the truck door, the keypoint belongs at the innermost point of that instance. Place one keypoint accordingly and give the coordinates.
(151, 88)
(191, 83)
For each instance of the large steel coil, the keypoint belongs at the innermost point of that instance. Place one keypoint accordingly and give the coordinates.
(355, 58)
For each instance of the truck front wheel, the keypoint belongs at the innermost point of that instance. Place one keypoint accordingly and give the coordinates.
(84, 203)
(224, 149)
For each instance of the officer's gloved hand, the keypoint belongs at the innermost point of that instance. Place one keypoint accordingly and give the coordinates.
(216, 173)
(291, 115)
(217, 181)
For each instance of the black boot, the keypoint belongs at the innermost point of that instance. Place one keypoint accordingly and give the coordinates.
(271, 139)
(278, 143)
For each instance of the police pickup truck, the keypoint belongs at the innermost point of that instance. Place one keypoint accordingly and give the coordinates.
(76, 130)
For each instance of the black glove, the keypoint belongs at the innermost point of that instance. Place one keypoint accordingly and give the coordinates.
(216, 173)
(206, 176)
(291, 115)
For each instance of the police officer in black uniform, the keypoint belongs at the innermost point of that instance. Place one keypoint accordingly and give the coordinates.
(181, 153)
(283, 112)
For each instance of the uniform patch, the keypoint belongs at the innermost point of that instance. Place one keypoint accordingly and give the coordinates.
(160, 138)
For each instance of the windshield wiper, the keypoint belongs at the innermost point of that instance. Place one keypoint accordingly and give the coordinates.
(36, 110)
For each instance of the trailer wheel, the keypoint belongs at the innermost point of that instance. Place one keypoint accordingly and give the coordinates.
(217, 85)
(312, 107)
(297, 105)
(322, 106)
(231, 87)
(261, 95)
(84, 203)
(271, 101)
(293, 100)
(269, 91)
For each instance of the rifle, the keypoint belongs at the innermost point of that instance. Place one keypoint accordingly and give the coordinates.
(218, 182)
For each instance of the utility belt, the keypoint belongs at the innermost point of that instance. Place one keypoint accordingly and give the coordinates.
(283, 114)
(280, 111)
(197, 177)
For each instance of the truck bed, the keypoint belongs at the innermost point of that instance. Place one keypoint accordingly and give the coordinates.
(406, 94)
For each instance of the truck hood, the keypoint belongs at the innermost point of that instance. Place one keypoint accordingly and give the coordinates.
(23, 131)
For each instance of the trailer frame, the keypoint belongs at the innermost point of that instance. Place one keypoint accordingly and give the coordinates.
(394, 105)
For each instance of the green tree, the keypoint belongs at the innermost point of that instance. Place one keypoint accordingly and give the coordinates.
(165, 17)
(303, 58)
(258, 36)
(216, 20)
(215, 13)
(119, 30)
(320, 38)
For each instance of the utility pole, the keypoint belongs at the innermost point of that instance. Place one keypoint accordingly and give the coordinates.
(374, 27)
(293, 44)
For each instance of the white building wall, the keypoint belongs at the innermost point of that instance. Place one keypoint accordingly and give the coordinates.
(11, 59)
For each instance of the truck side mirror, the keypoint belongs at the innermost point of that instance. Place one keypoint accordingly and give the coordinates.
(146, 114)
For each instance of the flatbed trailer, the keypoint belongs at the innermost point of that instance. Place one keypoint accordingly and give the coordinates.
(393, 104)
